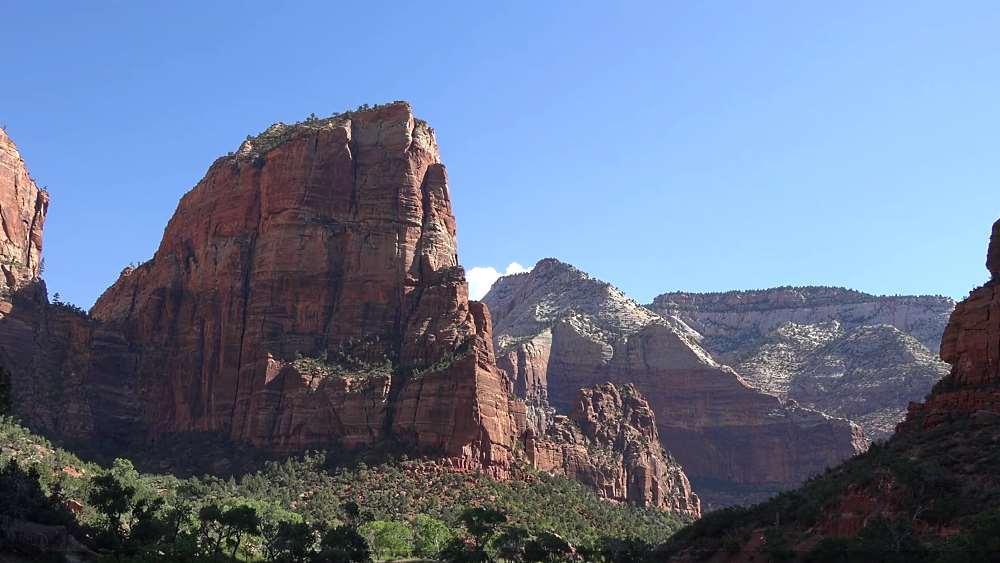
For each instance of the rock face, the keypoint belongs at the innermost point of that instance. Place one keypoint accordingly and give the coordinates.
(558, 330)
(971, 344)
(22, 216)
(928, 493)
(867, 374)
(307, 293)
(610, 442)
(332, 241)
(842, 352)
(734, 322)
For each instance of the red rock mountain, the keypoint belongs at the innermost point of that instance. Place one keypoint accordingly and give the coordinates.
(610, 442)
(928, 494)
(558, 330)
(306, 293)
(333, 240)
(23, 207)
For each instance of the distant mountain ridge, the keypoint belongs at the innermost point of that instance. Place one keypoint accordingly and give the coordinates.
(557, 329)
(841, 351)
(729, 319)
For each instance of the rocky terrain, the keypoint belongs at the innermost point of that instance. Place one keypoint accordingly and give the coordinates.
(610, 442)
(843, 352)
(558, 330)
(929, 494)
(306, 294)
(734, 322)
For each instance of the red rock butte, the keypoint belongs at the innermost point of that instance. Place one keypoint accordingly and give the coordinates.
(306, 294)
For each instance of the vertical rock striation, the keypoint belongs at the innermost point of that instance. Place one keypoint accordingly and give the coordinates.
(610, 442)
(559, 330)
(306, 293)
(331, 241)
(22, 216)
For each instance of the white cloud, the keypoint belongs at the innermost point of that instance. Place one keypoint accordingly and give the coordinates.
(481, 278)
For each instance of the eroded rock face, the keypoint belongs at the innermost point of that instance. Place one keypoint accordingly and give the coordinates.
(971, 344)
(867, 374)
(558, 326)
(843, 352)
(610, 442)
(330, 240)
(307, 293)
(934, 480)
(735, 322)
(22, 216)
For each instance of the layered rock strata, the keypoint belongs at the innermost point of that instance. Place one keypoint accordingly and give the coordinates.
(867, 374)
(558, 330)
(928, 493)
(734, 323)
(306, 293)
(610, 442)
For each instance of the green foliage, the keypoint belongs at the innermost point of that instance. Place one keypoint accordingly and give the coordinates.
(388, 540)
(430, 535)
(301, 511)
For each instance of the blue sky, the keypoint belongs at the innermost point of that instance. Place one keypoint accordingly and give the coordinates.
(658, 145)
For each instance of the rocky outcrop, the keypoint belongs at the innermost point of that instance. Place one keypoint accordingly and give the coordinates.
(307, 293)
(331, 241)
(558, 330)
(22, 215)
(610, 442)
(928, 493)
(971, 344)
(867, 374)
(734, 323)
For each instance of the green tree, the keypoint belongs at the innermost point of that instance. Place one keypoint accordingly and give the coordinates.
(113, 499)
(547, 548)
(510, 543)
(291, 542)
(388, 540)
(429, 535)
(238, 523)
(343, 544)
(482, 523)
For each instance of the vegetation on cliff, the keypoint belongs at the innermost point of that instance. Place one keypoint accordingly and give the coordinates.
(301, 510)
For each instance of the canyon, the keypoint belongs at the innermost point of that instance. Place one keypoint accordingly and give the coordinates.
(557, 329)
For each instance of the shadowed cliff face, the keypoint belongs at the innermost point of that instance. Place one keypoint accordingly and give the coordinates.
(559, 330)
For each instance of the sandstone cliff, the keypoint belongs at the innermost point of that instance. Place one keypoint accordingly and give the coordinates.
(558, 330)
(22, 215)
(610, 442)
(307, 293)
(928, 494)
(332, 241)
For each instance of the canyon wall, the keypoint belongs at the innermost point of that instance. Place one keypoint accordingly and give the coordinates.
(558, 330)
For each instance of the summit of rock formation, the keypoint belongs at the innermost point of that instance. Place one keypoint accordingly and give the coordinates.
(331, 241)
(928, 494)
(557, 330)
(733, 322)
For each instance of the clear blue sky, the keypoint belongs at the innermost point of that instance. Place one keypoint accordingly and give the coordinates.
(658, 145)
